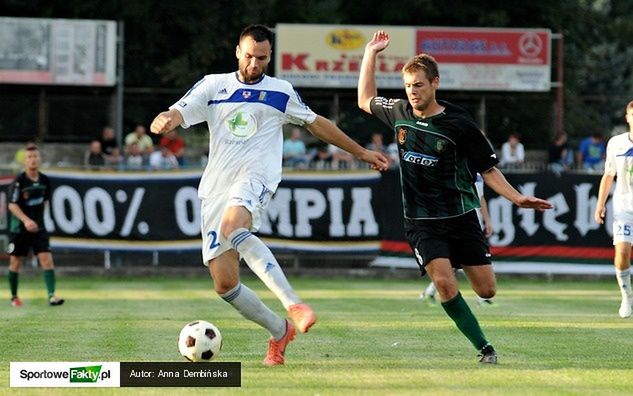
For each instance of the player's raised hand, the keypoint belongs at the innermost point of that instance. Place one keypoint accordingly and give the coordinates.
(534, 203)
(377, 160)
(163, 123)
(379, 41)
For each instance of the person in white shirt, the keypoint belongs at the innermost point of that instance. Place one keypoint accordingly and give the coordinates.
(512, 152)
(619, 164)
(245, 111)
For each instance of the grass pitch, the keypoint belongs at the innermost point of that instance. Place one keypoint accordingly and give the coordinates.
(372, 337)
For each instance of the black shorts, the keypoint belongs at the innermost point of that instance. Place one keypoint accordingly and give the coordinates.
(459, 239)
(19, 244)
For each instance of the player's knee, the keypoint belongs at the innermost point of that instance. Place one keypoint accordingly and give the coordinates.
(446, 287)
(223, 286)
(229, 226)
(487, 292)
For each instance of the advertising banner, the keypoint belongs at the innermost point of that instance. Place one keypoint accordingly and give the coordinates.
(320, 212)
(489, 59)
(57, 51)
(469, 58)
(329, 212)
(332, 58)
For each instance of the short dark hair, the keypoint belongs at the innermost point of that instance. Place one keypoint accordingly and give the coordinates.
(259, 33)
(31, 147)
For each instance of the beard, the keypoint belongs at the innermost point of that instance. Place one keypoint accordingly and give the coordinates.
(249, 78)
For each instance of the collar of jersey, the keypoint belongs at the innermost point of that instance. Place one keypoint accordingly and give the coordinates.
(251, 83)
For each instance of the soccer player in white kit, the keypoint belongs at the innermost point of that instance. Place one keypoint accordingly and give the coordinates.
(619, 163)
(245, 111)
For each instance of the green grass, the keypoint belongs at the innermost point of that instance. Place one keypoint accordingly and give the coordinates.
(373, 336)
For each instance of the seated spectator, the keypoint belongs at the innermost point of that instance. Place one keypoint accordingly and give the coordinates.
(591, 153)
(560, 157)
(175, 144)
(108, 140)
(139, 137)
(512, 152)
(133, 158)
(94, 157)
(393, 156)
(390, 151)
(163, 159)
(323, 158)
(341, 159)
(294, 150)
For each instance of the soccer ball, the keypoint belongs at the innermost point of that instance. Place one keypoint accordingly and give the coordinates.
(199, 341)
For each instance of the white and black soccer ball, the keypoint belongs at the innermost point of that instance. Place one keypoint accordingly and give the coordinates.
(200, 341)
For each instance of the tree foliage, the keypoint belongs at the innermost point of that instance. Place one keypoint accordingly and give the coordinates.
(172, 44)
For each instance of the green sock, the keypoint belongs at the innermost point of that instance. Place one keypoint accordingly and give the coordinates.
(13, 283)
(466, 322)
(49, 278)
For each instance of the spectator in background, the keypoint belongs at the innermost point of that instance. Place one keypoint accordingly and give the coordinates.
(294, 150)
(139, 137)
(133, 158)
(163, 158)
(512, 152)
(110, 147)
(391, 151)
(175, 144)
(323, 157)
(559, 155)
(94, 157)
(591, 153)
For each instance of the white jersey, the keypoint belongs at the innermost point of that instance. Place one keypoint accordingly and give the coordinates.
(245, 127)
(619, 162)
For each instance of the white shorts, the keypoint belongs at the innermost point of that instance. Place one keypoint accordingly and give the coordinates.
(251, 194)
(622, 231)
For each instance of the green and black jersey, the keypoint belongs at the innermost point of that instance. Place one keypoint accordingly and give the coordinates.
(439, 158)
(31, 197)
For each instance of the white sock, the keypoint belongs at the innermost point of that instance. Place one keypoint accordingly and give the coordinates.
(624, 280)
(262, 262)
(430, 290)
(252, 308)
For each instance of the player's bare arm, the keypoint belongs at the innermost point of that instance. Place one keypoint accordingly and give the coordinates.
(495, 180)
(603, 192)
(325, 130)
(166, 121)
(29, 224)
(367, 79)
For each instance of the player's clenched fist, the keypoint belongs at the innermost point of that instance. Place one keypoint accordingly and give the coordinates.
(162, 123)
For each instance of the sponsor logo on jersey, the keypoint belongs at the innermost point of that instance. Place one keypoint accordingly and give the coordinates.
(402, 135)
(422, 123)
(262, 96)
(182, 103)
(222, 91)
(242, 125)
(419, 159)
(25, 195)
(345, 39)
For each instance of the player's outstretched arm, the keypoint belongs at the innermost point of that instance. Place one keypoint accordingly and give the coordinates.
(325, 130)
(367, 78)
(495, 180)
(166, 121)
(603, 192)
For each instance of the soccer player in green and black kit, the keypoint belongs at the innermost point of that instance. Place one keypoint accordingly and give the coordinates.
(441, 150)
(28, 194)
